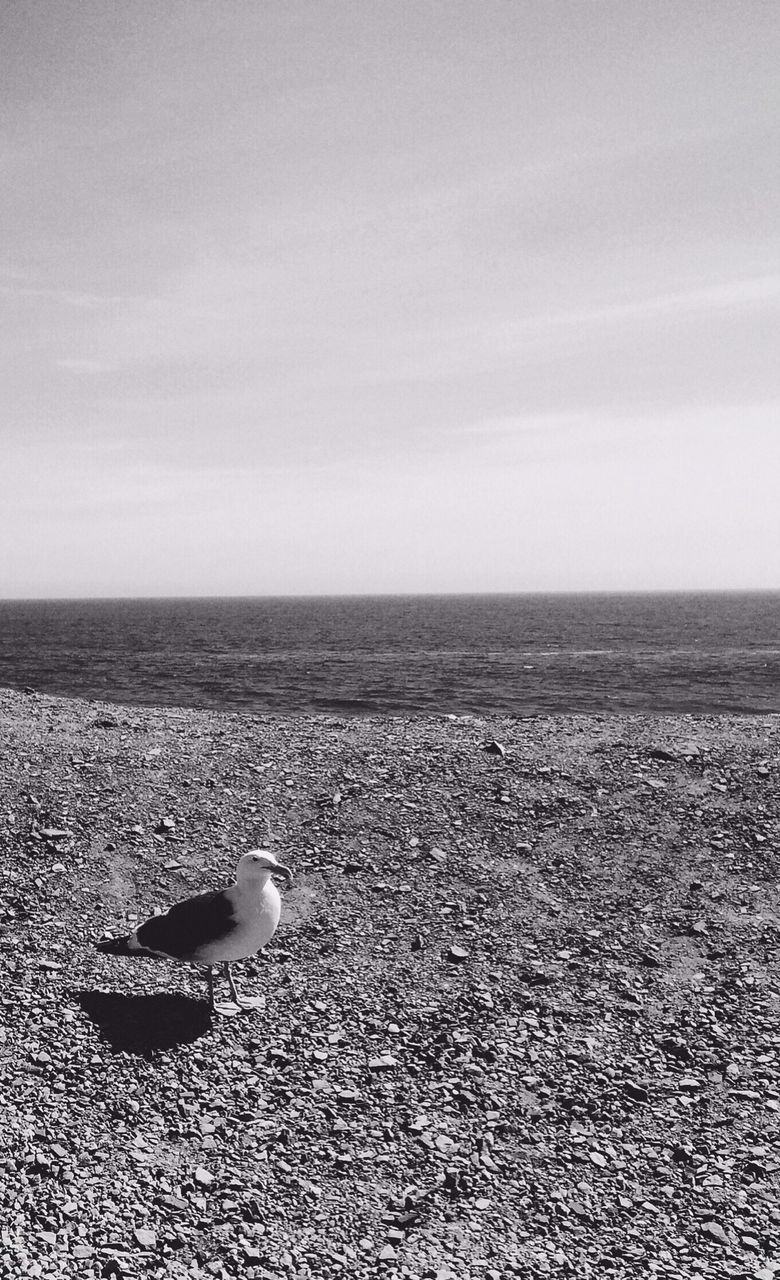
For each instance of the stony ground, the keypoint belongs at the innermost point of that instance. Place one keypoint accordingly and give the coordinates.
(521, 1015)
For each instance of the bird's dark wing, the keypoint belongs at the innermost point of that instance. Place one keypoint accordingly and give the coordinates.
(188, 925)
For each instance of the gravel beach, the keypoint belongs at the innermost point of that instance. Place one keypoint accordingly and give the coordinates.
(521, 1013)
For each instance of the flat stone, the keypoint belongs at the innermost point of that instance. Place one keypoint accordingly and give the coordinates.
(635, 1091)
(385, 1062)
(457, 954)
(715, 1232)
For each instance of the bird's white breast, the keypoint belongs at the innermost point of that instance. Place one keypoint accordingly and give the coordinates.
(256, 914)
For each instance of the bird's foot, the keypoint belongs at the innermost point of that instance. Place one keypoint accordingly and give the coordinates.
(245, 1004)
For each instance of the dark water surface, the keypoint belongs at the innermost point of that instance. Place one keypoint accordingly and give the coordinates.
(524, 654)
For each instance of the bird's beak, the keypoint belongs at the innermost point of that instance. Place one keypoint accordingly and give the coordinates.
(284, 871)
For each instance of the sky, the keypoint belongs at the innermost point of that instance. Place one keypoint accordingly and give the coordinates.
(343, 296)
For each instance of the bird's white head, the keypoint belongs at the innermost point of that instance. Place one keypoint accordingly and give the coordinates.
(258, 865)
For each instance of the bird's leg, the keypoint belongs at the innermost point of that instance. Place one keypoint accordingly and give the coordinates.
(210, 980)
(231, 983)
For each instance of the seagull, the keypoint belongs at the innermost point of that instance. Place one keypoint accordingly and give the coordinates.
(214, 928)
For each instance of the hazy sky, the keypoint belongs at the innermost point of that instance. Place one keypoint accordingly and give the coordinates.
(389, 295)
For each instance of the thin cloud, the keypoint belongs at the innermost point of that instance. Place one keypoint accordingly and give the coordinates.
(65, 297)
(526, 424)
(85, 366)
(717, 297)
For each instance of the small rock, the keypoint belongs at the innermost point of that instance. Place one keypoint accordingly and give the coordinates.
(386, 1254)
(384, 1062)
(203, 1176)
(715, 1232)
(495, 748)
(457, 954)
(145, 1238)
(635, 1091)
(690, 1084)
(174, 1202)
(677, 1047)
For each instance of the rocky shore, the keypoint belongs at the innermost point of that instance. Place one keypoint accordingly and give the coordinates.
(521, 1015)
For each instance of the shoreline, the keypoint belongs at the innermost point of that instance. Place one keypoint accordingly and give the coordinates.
(112, 707)
(521, 1013)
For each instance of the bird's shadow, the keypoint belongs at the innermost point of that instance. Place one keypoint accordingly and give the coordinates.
(144, 1024)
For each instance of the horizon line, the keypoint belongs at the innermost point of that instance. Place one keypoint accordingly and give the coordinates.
(396, 595)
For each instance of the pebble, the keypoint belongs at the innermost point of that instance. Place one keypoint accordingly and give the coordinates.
(457, 954)
(715, 1232)
(690, 1084)
(636, 1091)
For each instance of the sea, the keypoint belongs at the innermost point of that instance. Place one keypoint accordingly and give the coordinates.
(522, 655)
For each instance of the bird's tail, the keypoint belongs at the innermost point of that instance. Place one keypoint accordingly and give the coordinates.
(115, 946)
